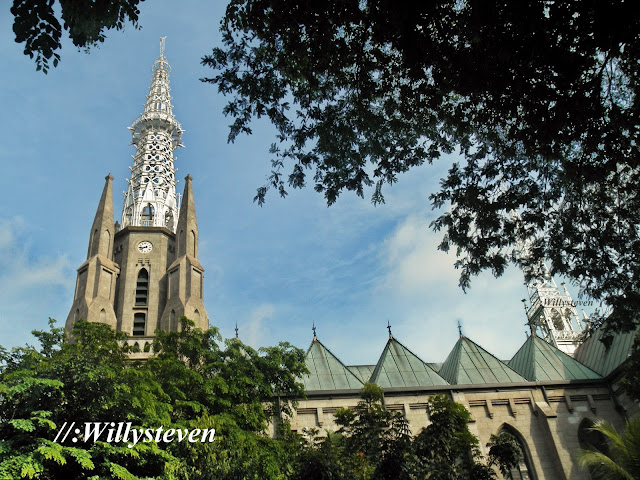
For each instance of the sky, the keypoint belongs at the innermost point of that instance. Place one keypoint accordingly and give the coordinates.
(275, 270)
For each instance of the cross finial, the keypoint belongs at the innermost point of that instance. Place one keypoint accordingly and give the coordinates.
(236, 329)
(389, 328)
(314, 330)
(162, 39)
(459, 328)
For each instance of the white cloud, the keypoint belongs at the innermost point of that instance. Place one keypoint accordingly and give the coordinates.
(415, 265)
(419, 293)
(256, 325)
(32, 286)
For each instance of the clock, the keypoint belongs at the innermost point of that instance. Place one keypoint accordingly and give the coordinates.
(145, 246)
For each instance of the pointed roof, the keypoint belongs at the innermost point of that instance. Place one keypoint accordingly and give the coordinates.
(469, 363)
(102, 230)
(363, 372)
(187, 222)
(400, 367)
(326, 372)
(594, 355)
(538, 361)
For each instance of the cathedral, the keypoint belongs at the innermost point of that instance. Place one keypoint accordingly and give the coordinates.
(143, 274)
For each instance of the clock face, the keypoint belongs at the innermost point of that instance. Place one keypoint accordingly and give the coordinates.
(145, 246)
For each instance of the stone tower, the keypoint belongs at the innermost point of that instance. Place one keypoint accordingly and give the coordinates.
(552, 314)
(144, 275)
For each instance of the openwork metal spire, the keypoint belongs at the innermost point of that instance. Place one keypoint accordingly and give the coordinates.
(551, 314)
(151, 199)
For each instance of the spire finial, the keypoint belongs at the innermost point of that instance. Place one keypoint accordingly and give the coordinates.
(151, 199)
(236, 329)
(459, 328)
(314, 331)
(389, 328)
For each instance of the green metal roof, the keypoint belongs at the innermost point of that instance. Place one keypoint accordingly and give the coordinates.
(468, 363)
(593, 354)
(326, 371)
(400, 367)
(538, 361)
(363, 372)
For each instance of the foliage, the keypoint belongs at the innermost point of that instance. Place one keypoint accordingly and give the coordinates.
(539, 98)
(446, 449)
(325, 458)
(236, 390)
(504, 452)
(193, 382)
(380, 437)
(622, 461)
(631, 379)
(83, 381)
(37, 24)
(251, 385)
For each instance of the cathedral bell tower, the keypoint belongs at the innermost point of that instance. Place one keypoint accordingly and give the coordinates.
(552, 314)
(144, 275)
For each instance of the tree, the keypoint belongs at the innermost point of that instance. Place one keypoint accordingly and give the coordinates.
(446, 449)
(83, 381)
(325, 458)
(380, 438)
(631, 379)
(622, 461)
(192, 383)
(37, 24)
(505, 453)
(540, 99)
(236, 390)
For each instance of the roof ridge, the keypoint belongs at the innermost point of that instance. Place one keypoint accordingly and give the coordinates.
(452, 362)
(398, 366)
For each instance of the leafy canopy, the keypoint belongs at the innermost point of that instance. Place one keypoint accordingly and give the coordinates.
(37, 24)
(538, 98)
(195, 381)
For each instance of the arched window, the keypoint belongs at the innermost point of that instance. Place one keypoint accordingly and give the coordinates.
(139, 324)
(591, 439)
(147, 215)
(142, 288)
(173, 322)
(524, 471)
(193, 244)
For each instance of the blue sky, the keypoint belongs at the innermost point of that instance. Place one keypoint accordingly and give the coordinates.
(275, 270)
